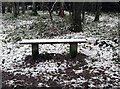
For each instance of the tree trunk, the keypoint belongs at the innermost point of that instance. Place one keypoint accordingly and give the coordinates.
(9, 5)
(3, 7)
(61, 12)
(26, 6)
(23, 7)
(83, 11)
(76, 17)
(83, 15)
(42, 6)
(34, 9)
(98, 11)
(14, 9)
(17, 8)
(9, 9)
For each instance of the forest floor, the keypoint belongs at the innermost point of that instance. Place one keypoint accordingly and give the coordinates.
(95, 66)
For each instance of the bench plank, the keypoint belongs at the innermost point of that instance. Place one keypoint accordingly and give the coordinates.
(51, 41)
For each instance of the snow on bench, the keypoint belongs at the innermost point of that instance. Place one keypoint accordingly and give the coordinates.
(35, 44)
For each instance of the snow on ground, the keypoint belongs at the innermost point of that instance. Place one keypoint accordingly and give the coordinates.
(100, 49)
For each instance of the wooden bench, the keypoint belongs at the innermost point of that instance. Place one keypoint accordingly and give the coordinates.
(35, 44)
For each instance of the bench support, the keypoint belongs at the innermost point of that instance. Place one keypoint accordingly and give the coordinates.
(35, 51)
(73, 49)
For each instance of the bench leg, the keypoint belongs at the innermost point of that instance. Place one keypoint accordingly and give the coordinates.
(35, 51)
(73, 49)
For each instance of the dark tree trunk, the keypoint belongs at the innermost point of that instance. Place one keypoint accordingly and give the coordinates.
(83, 11)
(34, 8)
(15, 9)
(26, 6)
(61, 12)
(56, 8)
(9, 7)
(23, 7)
(43, 6)
(92, 6)
(98, 11)
(76, 17)
(3, 7)
(83, 15)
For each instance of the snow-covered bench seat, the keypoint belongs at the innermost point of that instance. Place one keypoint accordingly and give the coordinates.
(35, 44)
